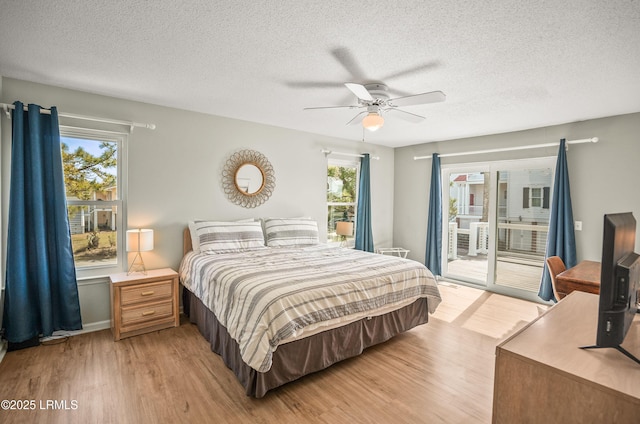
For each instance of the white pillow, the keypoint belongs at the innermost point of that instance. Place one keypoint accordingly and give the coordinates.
(222, 237)
(290, 232)
(263, 220)
(195, 246)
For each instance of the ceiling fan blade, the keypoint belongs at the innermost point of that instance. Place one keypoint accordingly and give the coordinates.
(415, 69)
(360, 91)
(346, 59)
(331, 107)
(407, 116)
(312, 84)
(355, 119)
(418, 99)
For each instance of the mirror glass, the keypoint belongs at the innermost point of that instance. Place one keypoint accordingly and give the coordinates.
(249, 179)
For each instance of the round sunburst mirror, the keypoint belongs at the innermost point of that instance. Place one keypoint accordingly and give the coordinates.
(248, 178)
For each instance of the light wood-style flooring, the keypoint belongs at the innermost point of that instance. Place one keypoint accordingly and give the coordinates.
(441, 372)
(518, 275)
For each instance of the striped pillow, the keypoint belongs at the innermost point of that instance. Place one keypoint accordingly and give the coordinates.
(290, 232)
(223, 237)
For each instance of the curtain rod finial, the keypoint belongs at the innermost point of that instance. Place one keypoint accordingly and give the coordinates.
(594, 140)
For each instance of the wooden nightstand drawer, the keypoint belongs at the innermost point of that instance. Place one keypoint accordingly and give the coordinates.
(132, 315)
(146, 292)
(141, 303)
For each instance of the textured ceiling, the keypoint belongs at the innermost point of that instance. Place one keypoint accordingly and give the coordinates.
(504, 65)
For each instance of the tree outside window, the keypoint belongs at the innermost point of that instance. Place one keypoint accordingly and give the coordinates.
(90, 168)
(342, 185)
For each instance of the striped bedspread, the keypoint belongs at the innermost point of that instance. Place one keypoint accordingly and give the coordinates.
(266, 296)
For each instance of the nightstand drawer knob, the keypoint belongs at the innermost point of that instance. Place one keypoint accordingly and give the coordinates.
(147, 293)
(147, 313)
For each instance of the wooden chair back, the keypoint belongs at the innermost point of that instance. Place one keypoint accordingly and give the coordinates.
(556, 265)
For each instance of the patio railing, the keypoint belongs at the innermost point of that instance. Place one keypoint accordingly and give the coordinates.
(526, 238)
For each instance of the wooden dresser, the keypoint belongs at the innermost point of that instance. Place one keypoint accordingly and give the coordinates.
(143, 303)
(542, 375)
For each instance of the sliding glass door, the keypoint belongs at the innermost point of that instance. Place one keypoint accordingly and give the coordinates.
(497, 216)
(467, 228)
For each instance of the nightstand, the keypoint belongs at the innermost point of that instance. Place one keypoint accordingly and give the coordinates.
(143, 303)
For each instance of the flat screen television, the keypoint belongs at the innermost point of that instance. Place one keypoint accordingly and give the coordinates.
(619, 281)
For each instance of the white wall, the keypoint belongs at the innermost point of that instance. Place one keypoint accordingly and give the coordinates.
(174, 173)
(603, 176)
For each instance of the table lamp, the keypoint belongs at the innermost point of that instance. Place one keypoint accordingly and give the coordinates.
(344, 229)
(140, 240)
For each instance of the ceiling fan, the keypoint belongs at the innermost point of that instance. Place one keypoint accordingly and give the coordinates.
(375, 99)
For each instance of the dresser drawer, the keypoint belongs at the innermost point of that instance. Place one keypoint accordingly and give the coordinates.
(146, 313)
(146, 292)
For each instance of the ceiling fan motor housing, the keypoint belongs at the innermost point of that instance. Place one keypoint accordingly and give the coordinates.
(378, 91)
(373, 108)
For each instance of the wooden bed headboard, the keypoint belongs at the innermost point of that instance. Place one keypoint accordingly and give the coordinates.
(186, 241)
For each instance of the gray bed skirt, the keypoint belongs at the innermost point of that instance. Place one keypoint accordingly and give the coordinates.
(305, 356)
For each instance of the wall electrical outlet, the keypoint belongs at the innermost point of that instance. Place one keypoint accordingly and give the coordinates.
(578, 225)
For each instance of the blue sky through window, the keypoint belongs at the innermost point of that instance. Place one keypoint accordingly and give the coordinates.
(91, 146)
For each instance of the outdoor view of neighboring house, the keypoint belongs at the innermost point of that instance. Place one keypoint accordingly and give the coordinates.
(523, 207)
(498, 220)
(85, 219)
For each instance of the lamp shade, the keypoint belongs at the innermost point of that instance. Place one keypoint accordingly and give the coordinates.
(140, 240)
(373, 121)
(344, 228)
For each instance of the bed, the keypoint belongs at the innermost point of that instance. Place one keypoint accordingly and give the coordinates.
(278, 312)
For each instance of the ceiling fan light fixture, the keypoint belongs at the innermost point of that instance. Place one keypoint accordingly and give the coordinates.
(373, 121)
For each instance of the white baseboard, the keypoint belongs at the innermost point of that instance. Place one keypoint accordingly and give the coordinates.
(86, 328)
(94, 326)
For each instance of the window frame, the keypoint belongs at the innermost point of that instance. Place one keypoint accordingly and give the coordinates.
(528, 197)
(345, 163)
(121, 140)
(533, 199)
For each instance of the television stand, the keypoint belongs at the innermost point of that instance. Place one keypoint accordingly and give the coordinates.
(541, 376)
(619, 348)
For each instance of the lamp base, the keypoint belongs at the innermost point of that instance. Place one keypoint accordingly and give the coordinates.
(137, 265)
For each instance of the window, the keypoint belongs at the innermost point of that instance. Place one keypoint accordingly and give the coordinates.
(342, 187)
(535, 197)
(93, 163)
